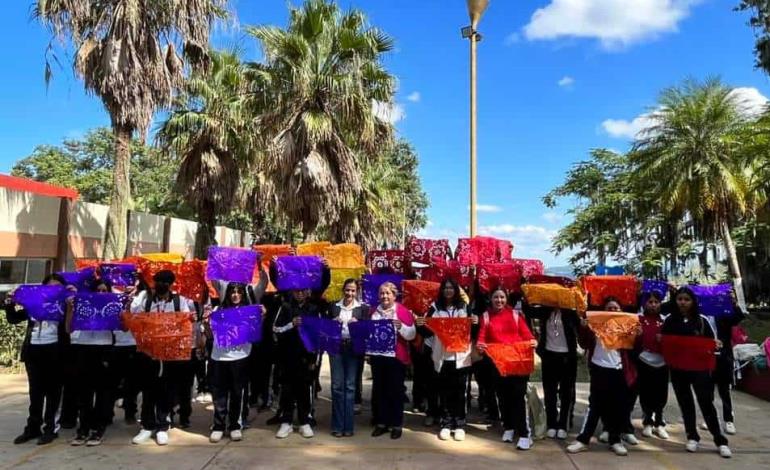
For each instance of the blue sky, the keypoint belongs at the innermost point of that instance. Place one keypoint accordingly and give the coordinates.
(556, 78)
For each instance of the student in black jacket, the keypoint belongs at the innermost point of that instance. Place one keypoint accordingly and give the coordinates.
(687, 321)
(557, 348)
(40, 353)
(724, 376)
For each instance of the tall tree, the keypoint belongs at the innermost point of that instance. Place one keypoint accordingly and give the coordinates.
(209, 129)
(695, 142)
(760, 23)
(125, 52)
(314, 94)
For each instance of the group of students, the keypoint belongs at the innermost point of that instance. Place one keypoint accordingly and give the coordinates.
(91, 370)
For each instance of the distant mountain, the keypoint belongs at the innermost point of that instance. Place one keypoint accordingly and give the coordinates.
(560, 271)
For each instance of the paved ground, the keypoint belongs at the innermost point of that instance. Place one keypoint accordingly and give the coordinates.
(419, 447)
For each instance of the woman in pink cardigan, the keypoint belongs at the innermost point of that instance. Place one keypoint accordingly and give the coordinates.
(388, 368)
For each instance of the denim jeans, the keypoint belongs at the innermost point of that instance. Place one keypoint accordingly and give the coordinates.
(344, 372)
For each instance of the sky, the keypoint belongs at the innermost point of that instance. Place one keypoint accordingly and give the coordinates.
(556, 79)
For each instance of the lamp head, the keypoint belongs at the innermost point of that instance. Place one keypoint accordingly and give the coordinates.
(476, 8)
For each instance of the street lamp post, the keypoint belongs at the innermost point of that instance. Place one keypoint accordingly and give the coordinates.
(476, 8)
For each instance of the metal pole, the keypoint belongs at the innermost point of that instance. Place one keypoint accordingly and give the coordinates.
(473, 40)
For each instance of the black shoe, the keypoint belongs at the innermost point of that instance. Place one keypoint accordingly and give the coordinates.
(47, 438)
(25, 437)
(336, 434)
(347, 434)
(184, 424)
(95, 439)
(274, 420)
(379, 431)
(79, 440)
(68, 424)
(395, 433)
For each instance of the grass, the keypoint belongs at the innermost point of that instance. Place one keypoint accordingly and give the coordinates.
(757, 328)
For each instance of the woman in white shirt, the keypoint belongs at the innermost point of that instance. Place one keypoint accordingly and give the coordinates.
(92, 352)
(228, 374)
(344, 366)
(452, 368)
(41, 354)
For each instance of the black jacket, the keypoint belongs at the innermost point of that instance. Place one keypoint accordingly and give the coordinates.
(362, 312)
(570, 323)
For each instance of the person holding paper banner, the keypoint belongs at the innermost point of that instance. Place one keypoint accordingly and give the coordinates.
(389, 368)
(724, 375)
(452, 366)
(503, 324)
(688, 324)
(612, 375)
(653, 372)
(228, 368)
(41, 353)
(344, 366)
(159, 377)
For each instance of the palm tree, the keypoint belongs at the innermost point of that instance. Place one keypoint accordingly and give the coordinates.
(314, 95)
(692, 158)
(125, 54)
(208, 129)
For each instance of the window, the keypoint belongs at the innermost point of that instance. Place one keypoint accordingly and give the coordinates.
(24, 271)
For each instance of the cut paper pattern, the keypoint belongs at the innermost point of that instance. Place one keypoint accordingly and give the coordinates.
(545, 279)
(163, 257)
(599, 288)
(236, 326)
(505, 275)
(690, 353)
(419, 295)
(386, 261)
(94, 311)
(312, 248)
(615, 330)
(716, 300)
(454, 333)
(321, 334)
(83, 280)
(419, 250)
(298, 272)
(344, 255)
(162, 336)
(512, 359)
(118, 274)
(231, 264)
(554, 295)
(42, 303)
(371, 286)
(333, 293)
(373, 337)
(530, 267)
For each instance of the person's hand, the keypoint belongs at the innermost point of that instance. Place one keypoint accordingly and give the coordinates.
(72, 288)
(533, 343)
(70, 301)
(474, 319)
(263, 310)
(352, 320)
(481, 347)
(397, 323)
(718, 344)
(297, 321)
(193, 317)
(419, 321)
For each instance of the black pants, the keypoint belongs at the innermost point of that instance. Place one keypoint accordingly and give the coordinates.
(94, 396)
(181, 376)
(388, 375)
(724, 377)
(124, 378)
(157, 393)
(485, 373)
(633, 393)
(424, 391)
(200, 365)
(297, 379)
(69, 398)
(559, 375)
(43, 366)
(653, 393)
(451, 389)
(359, 383)
(608, 401)
(687, 382)
(260, 370)
(228, 381)
(512, 396)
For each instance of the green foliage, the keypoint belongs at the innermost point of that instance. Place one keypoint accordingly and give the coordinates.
(11, 339)
(760, 23)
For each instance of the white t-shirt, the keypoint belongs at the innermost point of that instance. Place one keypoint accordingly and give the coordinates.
(44, 332)
(91, 338)
(346, 314)
(438, 354)
(607, 358)
(554, 333)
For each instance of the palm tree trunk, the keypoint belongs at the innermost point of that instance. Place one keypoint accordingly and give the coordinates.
(206, 234)
(732, 262)
(704, 261)
(117, 225)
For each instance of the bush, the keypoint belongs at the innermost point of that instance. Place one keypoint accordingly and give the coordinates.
(11, 339)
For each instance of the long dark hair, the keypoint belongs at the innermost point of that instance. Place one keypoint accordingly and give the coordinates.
(232, 287)
(694, 310)
(54, 277)
(102, 282)
(457, 300)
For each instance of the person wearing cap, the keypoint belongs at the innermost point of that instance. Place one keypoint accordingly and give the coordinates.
(158, 377)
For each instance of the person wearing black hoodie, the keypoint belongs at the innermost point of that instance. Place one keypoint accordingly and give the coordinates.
(40, 353)
(724, 376)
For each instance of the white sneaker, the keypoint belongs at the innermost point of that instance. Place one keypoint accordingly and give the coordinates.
(143, 436)
(725, 452)
(550, 434)
(647, 431)
(445, 434)
(199, 398)
(524, 443)
(691, 446)
(730, 428)
(306, 431)
(284, 431)
(661, 432)
(161, 437)
(236, 435)
(704, 426)
(604, 437)
(207, 398)
(459, 434)
(561, 434)
(508, 435)
(630, 439)
(576, 447)
(619, 449)
(215, 436)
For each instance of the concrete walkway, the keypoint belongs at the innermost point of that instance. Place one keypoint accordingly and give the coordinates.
(419, 448)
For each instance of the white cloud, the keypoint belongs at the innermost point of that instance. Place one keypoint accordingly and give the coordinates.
(749, 100)
(489, 208)
(615, 23)
(414, 97)
(512, 39)
(566, 81)
(552, 217)
(388, 112)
